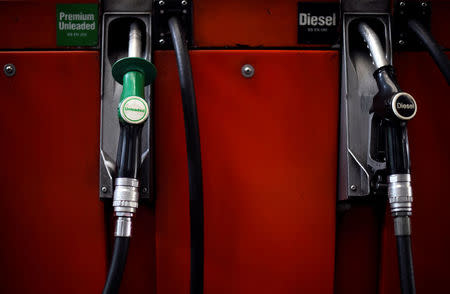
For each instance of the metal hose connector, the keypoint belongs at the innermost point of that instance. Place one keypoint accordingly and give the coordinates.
(125, 203)
(400, 194)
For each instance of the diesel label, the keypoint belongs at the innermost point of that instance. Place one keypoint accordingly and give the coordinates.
(318, 22)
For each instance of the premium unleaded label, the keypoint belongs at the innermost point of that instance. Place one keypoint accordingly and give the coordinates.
(76, 24)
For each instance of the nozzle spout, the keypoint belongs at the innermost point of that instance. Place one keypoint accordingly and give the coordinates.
(374, 45)
(134, 45)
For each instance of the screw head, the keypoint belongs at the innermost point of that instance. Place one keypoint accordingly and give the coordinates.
(402, 4)
(424, 4)
(104, 189)
(161, 11)
(247, 71)
(161, 41)
(161, 3)
(401, 42)
(144, 190)
(184, 3)
(353, 187)
(9, 69)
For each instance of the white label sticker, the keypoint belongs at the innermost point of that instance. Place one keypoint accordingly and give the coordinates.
(134, 110)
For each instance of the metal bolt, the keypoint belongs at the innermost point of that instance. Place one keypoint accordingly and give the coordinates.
(424, 4)
(402, 4)
(184, 11)
(161, 3)
(9, 70)
(401, 42)
(104, 189)
(247, 71)
(184, 3)
(144, 190)
(161, 11)
(353, 187)
(161, 41)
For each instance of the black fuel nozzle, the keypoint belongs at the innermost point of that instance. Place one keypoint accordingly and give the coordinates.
(391, 103)
(394, 108)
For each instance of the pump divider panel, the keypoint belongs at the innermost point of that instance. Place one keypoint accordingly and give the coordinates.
(269, 153)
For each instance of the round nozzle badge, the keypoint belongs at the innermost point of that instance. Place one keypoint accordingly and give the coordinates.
(133, 110)
(404, 106)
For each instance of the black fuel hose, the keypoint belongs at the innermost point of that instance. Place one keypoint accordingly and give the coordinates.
(193, 154)
(433, 48)
(117, 266)
(405, 264)
(128, 160)
(129, 150)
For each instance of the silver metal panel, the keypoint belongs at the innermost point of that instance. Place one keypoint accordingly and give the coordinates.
(358, 87)
(110, 96)
(127, 5)
(374, 6)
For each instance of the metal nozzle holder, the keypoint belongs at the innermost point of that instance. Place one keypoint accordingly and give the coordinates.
(400, 194)
(118, 27)
(359, 164)
(125, 203)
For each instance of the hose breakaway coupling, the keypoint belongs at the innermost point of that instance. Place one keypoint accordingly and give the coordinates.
(400, 194)
(400, 200)
(125, 203)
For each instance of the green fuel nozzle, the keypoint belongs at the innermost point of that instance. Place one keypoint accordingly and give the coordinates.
(134, 73)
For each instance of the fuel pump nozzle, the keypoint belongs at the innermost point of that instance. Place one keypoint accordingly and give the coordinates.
(134, 73)
(395, 108)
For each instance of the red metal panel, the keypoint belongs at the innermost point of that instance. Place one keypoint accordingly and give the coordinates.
(53, 233)
(269, 148)
(272, 22)
(30, 24)
(357, 250)
(251, 22)
(439, 21)
(429, 146)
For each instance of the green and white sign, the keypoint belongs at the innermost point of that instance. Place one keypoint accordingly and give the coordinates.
(133, 110)
(76, 24)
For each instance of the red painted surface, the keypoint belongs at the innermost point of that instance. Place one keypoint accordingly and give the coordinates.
(269, 172)
(217, 23)
(53, 232)
(357, 249)
(251, 22)
(429, 147)
(30, 24)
